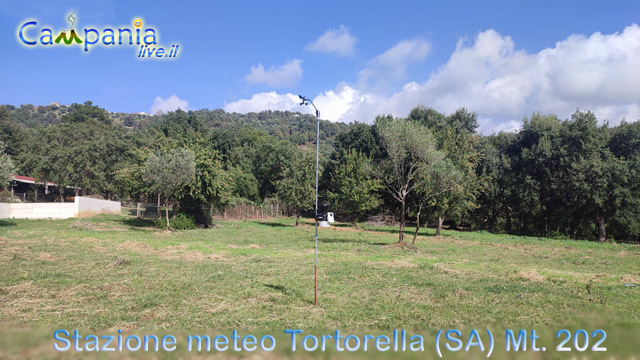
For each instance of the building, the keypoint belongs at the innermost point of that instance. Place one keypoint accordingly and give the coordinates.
(26, 188)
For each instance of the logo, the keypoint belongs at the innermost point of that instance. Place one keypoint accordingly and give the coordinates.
(143, 38)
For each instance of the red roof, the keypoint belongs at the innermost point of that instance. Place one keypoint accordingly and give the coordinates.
(29, 180)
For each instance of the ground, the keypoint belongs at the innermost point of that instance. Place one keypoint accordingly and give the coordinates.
(119, 272)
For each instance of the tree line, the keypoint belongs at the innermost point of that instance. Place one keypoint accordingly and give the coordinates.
(565, 178)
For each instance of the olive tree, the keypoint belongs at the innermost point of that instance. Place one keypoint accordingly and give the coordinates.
(411, 152)
(168, 171)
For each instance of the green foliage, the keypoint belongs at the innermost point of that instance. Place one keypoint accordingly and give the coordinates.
(296, 188)
(355, 190)
(410, 151)
(572, 177)
(269, 160)
(170, 170)
(7, 169)
(180, 222)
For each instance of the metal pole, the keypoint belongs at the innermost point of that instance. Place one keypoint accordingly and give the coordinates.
(306, 101)
(315, 268)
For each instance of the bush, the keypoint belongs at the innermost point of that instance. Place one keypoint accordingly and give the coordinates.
(5, 196)
(558, 235)
(178, 222)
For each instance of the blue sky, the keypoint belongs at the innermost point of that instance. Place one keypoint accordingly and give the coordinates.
(356, 59)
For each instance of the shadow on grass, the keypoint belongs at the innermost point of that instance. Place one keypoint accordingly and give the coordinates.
(344, 225)
(7, 223)
(288, 292)
(135, 223)
(275, 224)
(346, 241)
(407, 232)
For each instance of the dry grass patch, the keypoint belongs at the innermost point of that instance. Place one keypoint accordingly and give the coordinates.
(446, 269)
(631, 279)
(531, 275)
(395, 263)
(178, 252)
(11, 253)
(46, 257)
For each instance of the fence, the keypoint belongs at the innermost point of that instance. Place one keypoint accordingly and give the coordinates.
(234, 211)
(145, 211)
(250, 211)
(81, 206)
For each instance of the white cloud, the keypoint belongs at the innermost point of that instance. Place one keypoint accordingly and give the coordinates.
(391, 66)
(171, 103)
(286, 75)
(267, 101)
(334, 41)
(502, 84)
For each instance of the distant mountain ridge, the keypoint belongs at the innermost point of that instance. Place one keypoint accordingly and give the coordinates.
(293, 126)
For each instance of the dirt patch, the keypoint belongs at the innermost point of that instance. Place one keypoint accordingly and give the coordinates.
(531, 275)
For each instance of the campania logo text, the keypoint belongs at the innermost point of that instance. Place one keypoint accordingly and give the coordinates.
(144, 39)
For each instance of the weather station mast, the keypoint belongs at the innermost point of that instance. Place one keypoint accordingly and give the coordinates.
(306, 101)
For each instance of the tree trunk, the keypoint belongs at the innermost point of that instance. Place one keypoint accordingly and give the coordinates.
(493, 218)
(440, 221)
(417, 225)
(602, 227)
(158, 205)
(61, 195)
(166, 213)
(509, 226)
(297, 217)
(401, 233)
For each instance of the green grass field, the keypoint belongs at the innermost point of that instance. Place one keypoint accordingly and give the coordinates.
(123, 273)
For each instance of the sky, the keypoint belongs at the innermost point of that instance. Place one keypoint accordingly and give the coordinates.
(503, 60)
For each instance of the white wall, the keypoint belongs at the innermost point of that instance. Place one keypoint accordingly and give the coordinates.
(37, 210)
(81, 207)
(86, 207)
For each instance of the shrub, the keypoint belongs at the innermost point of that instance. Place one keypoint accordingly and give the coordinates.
(5, 196)
(178, 222)
(558, 235)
